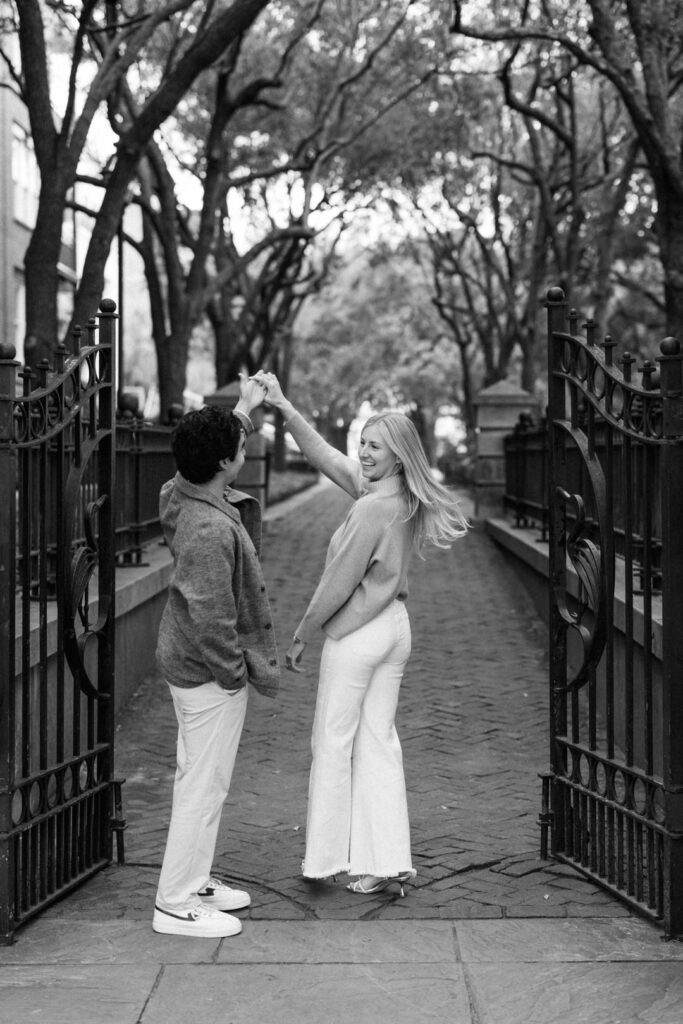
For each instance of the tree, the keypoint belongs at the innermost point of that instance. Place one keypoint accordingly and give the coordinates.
(268, 124)
(268, 132)
(103, 44)
(552, 183)
(373, 335)
(637, 48)
(518, 195)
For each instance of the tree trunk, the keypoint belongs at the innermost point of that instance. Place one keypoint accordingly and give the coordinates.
(172, 365)
(669, 224)
(42, 279)
(424, 424)
(528, 339)
(104, 231)
(279, 443)
(334, 429)
(228, 356)
(467, 408)
(282, 361)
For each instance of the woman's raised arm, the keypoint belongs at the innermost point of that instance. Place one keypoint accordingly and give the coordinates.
(341, 469)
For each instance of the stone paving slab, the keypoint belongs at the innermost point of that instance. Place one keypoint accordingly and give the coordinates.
(542, 941)
(111, 994)
(312, 994)
(56, 942)
(350, 942)
(650, 993)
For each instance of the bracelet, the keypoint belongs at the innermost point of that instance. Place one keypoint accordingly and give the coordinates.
(244, 420)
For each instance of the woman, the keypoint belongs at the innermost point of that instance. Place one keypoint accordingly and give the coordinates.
(357, 810)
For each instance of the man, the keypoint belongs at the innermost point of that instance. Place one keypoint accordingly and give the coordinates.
(215, 637)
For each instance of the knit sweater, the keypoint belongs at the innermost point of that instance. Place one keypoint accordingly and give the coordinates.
(367, 561)
(217, 623)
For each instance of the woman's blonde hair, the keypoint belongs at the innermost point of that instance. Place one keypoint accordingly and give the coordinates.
(436, 514)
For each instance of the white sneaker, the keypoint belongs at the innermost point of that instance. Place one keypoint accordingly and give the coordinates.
(202, 922)
(220, 896)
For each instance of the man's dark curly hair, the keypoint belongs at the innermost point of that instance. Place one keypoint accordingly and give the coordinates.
(202, 438)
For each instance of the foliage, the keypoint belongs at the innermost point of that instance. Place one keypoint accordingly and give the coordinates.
(635, 51)
(265, 139)
(373, 336)
(502, 148)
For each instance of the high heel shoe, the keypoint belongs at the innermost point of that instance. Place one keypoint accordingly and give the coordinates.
(380, 885)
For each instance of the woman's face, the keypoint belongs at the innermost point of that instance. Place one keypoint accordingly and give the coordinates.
(376, 458)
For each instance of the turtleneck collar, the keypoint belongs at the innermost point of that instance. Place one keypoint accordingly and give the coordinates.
(387, 485)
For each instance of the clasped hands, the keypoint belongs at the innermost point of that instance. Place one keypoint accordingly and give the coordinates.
(268, 382)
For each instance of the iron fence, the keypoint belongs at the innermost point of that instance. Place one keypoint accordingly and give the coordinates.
(526, 488)
(527, 499)
(144, 461)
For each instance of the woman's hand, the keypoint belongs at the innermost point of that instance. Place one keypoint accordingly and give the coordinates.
(273, 394)
(252, 392)
(293, 656)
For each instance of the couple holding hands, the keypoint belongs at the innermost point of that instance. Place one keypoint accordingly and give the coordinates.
(216, 635)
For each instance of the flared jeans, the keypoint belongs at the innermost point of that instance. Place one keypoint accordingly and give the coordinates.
(210, 721)
(357, 806)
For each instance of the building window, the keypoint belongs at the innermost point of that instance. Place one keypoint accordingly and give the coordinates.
(25, 177)
(19, 314)
(65, 305)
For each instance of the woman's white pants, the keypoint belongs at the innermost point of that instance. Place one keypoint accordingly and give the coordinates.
(210, 721)
(357, 806)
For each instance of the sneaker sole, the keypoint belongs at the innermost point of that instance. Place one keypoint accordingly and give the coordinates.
(217, 904)
(195, 930)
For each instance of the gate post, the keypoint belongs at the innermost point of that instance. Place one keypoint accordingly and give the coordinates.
(557, 322)
(498, 408)
(107, 318)
(671, 363)
(8, 491)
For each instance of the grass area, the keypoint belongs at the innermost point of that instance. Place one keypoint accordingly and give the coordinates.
(284, 483)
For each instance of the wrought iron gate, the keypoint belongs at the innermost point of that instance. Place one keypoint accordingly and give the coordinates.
(57, 792)
(613, 798)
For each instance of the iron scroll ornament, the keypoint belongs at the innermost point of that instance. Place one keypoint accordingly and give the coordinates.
(79, 574)
(593, 563)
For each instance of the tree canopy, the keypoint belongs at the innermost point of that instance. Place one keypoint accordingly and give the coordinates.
(503, 149)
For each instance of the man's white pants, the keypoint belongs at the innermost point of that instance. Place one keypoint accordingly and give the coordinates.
(357, 805)
(210, 721)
